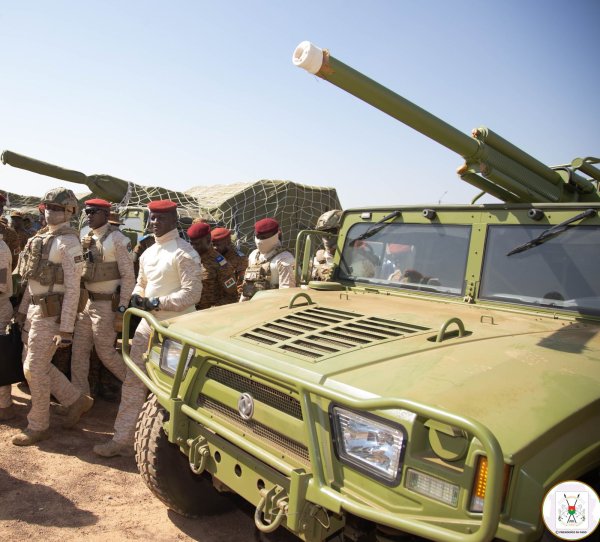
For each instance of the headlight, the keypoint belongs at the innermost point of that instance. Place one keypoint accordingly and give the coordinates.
(171, 354)
(369, 444)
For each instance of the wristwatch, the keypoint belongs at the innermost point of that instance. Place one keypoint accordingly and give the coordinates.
(121, 309)
(153, 303)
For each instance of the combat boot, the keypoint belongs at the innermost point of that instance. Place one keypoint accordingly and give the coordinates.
(112, 449)
(76, 410)
(27, 437)
(7, 413)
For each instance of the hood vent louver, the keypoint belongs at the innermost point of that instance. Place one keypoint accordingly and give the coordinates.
(316, 333)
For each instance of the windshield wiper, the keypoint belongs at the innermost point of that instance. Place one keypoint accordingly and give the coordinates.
(377, 227)
(552, 232)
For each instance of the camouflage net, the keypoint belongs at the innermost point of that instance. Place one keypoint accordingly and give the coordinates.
(238, 206)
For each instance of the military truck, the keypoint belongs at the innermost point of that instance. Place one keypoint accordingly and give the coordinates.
(437, 386)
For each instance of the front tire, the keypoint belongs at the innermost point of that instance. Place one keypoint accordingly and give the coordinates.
(165, 469)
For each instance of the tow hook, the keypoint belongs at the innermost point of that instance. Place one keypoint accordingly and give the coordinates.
(198, 454)
(272, 503)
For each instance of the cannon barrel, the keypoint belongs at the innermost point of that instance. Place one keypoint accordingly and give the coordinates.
(492, 164)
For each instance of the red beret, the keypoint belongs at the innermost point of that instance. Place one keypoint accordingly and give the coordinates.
(162, 206)
(266, 225)
(102, 203)
(220, 233)
(198, 230)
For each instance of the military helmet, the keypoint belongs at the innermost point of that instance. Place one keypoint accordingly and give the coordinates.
(62, 196)
(329, 221)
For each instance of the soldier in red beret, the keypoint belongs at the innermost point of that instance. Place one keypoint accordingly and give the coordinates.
(169, 283)
(218, 276)
(269, 265)
(109, 279)
(221, 239)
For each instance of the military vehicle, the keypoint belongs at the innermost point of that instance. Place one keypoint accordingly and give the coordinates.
(236, 206)
(437, 386)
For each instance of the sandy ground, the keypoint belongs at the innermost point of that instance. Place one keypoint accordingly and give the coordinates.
(60, 490)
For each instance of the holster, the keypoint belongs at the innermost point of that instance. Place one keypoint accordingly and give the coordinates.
(50, 305)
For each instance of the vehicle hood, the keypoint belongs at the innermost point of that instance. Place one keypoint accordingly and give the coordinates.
(519, 374)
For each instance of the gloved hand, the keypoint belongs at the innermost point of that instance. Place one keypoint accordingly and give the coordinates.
(151, 303)
(63, 339)
(137, 301)
(118, 325)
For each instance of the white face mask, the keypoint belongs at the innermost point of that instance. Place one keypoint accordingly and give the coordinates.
(265, 246)
(55, 217)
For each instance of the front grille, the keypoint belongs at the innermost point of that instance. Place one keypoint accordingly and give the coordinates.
(318, 332)
(258, 430)
(269, 396)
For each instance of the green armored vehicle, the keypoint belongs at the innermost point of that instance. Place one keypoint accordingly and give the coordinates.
(442, 381)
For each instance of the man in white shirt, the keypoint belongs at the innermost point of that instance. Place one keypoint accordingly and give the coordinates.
(169, 282)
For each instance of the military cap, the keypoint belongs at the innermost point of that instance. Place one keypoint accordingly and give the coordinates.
(63, 197)
(114, 218)
(16, 214)
(97, 202)
(162, 206)
(220, 233)
(266, 225)
(330, 220)
(198, 230)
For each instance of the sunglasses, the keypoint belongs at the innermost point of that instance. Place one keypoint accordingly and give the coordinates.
(91, 211)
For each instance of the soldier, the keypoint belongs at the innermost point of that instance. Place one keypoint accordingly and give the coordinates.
(109, 280)
(328, 222)
(8, 234)
(51, 264)
(16, 222)
(168, 283)
(218, 277)
(221, 238)
(269, 265)
(6, 310)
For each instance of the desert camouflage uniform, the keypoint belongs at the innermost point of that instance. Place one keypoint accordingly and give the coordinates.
(11, 239)
(170, 270)
(95, 324)
(43, 377)
(322, 265)
(276, 269)
(219, 286)
(6, 310)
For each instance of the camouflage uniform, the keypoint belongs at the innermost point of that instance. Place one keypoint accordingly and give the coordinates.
(239, 262)
(65, 257)
(12, 240)
(95, 324)
(264, 272)
(169, 270)
(218, 281)
(6, 310)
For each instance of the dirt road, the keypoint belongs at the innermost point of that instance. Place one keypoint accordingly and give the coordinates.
(60, 490)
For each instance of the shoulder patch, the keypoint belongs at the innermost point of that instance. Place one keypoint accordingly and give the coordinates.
(229, 283)
(221, 260)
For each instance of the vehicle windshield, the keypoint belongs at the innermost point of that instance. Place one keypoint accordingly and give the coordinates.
(430, 257)
(562, 273)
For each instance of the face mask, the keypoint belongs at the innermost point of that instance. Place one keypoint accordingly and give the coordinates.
(265, 246)
(55, 217)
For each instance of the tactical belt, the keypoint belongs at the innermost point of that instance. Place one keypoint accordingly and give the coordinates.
(50, 304)
(100, 297)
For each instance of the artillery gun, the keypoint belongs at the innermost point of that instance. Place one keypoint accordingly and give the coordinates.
(236, 206)
(443, 383)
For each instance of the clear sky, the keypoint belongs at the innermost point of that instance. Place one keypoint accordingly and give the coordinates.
(188, 93)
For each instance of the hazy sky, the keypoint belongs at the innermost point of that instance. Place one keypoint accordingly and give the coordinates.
(188, 93)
